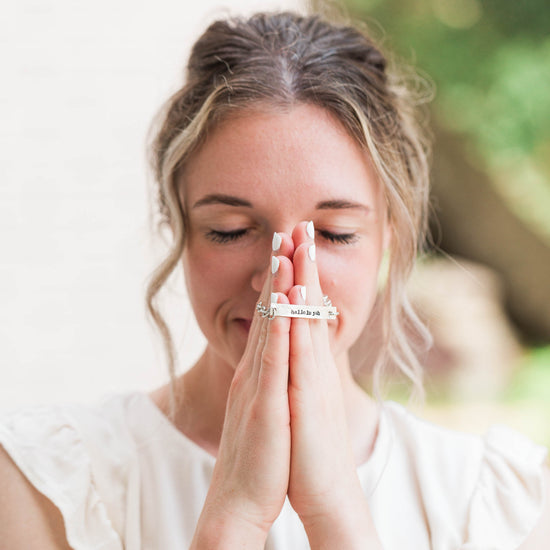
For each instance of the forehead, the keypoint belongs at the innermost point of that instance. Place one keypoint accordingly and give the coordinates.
(278, 154)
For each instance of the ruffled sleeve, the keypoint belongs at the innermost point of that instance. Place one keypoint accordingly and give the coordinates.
(509, 495)
(47, 447)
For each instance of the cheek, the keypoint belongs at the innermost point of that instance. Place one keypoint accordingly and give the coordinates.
(350, 279)
(199, 272)
(351, 283)
(202, 279)
(212, 275)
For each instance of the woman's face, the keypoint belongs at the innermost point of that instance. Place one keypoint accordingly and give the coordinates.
(264, 172)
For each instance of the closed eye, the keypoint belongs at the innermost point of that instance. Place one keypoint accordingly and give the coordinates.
(225, 236)
(337, 238)
(222, 237)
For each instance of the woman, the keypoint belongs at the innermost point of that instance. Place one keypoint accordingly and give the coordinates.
(287, 166)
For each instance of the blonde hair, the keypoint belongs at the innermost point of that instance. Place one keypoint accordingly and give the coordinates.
(282, 59)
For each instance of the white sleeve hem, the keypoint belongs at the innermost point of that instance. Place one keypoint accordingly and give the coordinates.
(509, 496)
(45, 445)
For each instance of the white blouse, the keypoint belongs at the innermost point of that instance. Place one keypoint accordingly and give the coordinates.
(123, 477)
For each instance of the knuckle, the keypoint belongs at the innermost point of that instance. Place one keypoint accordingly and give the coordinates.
(279, 326)
(272, 360)
(256, 410)
(303, 354)
(269, 360)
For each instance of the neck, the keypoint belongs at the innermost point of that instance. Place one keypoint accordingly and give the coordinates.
(362, 413)
(201, 396)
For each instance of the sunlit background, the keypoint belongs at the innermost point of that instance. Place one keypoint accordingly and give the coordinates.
(81, 83)
(485, 288)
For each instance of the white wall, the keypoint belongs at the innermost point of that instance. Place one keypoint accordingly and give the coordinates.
(80, 84)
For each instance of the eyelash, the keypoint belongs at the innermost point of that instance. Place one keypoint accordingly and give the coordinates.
(338, 238)
(222, 237)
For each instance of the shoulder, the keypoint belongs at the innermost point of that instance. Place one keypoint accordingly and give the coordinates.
(539, 538)
(426, 444)
(46, 440)
(29, 520)
(486, 488)
(55, 461)
(440, 466)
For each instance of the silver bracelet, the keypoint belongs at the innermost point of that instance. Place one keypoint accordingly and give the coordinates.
(297, 311)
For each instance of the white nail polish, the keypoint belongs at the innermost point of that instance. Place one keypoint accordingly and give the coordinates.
(276, 243)
(273, 297)
(311, 252)
(274, 264)
(303, 292)
(310, 229)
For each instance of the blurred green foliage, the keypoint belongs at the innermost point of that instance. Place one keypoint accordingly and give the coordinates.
(490, 62)
(531, 381)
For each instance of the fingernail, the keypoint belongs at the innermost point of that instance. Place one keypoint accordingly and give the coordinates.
(274, 297)
(276, 243)
(311, 252)
(310, 230)
(303, 292)
(274, 264)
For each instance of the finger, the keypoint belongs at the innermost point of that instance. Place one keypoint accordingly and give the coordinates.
(306, 271)
(280, 280)
(282, 277)
(275, 281)
(306, 274)
(282, 244)
(301, 354)
(303, 232)
(305, 262)
(273, 374)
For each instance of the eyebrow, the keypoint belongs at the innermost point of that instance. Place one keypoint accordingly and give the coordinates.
(231, 200)
(341, 204)
(217, 198)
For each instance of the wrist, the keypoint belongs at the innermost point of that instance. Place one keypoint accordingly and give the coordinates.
(222, 529)
(350, 526)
